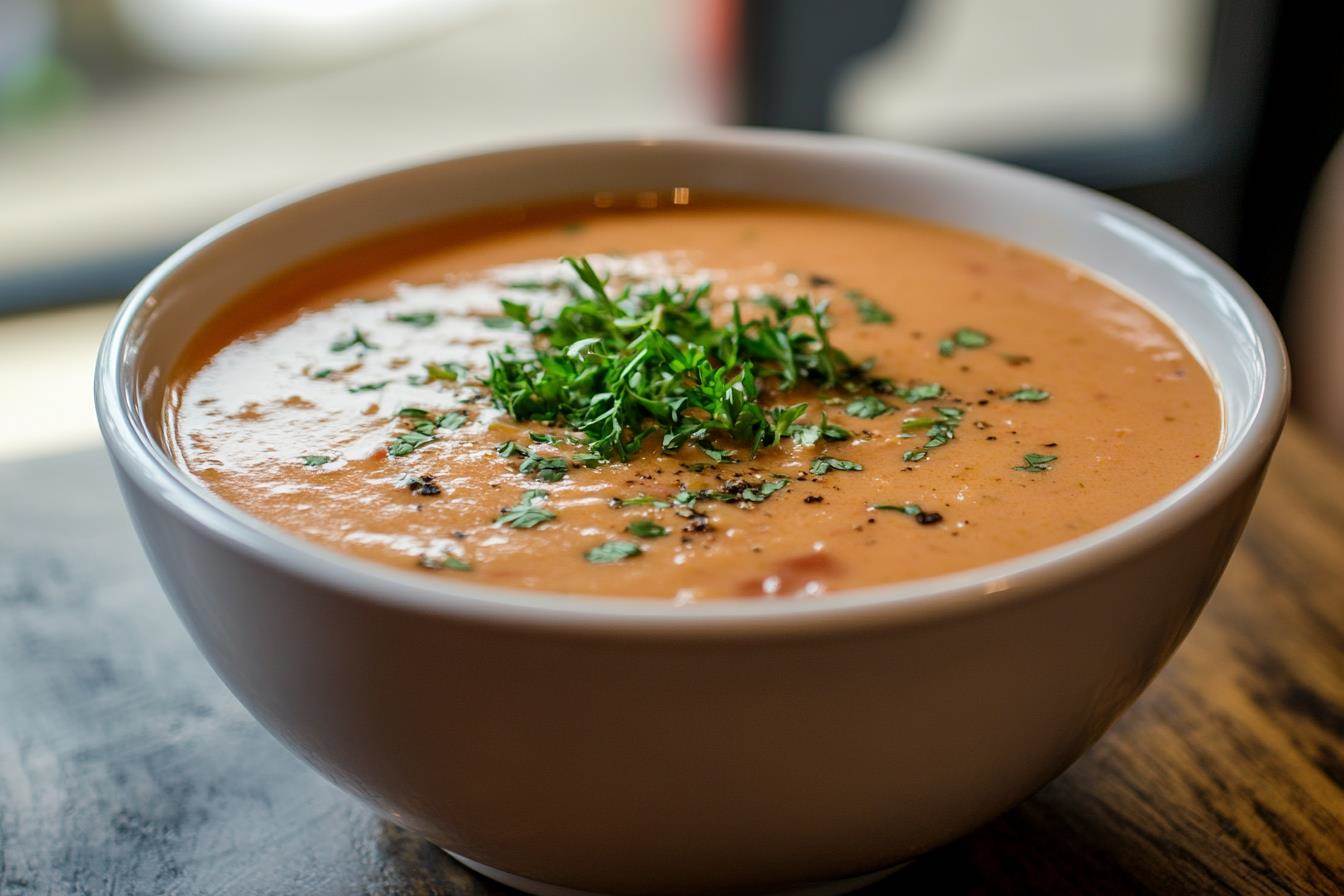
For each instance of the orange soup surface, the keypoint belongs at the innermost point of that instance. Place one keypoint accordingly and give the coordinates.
(754, 399)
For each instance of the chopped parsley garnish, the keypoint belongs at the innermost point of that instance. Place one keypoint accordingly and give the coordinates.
(924, 518)
(867, 407)
(612, 552)
(718, 455)
(734, 491)
(445, 561)
(810, 433)
(646, 529)
(938, 431)
(826, 464)
(315, 460)
(869, 311)
(920, 392)
(323, 373)
(369, 387)
(651, 362)
(423, 430)
(962, 338)
(356, 337)
(640, 500)
(499, 322)
(406, 442)
(526, 514)
(545, 468)
(416, 318)
(1029, 394)
(1036, 463)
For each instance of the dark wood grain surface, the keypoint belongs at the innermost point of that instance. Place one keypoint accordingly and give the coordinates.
(127, 768)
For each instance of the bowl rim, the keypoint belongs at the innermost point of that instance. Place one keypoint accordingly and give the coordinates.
(140, 457)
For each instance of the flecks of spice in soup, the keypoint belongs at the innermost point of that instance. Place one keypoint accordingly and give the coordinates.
(1063, 406)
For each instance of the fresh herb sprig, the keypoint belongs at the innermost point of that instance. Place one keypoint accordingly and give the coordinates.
(621, 367)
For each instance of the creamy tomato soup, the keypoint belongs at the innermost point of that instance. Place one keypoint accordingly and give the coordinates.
(713, 398)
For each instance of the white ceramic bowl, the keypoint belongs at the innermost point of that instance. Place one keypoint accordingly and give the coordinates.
(565, 743)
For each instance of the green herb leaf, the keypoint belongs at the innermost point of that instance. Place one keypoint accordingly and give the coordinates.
(448, 370)
(825, 464)
(646, 529)
(612, 552)
(356, 337)
(315, 460)
(1029, 394)
(867, 407)
(369, 387)
(445, 561)
(406, 442)
(526, 514)
(920, 392)
(416, 318)
(640, 500)
(924, 518)
(1036, 463)
(869, 311)
(962, 338)
(323, 373)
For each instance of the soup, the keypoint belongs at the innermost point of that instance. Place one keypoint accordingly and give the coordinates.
(689, 400)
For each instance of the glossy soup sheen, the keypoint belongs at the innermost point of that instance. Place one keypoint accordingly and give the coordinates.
(278, 409)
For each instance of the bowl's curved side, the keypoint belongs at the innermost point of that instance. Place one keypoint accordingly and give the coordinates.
(741, 746)
(596, 761)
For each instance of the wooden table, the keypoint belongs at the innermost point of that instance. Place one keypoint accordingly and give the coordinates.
(126, 767)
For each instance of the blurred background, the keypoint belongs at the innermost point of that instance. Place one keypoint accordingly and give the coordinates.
(126, 126)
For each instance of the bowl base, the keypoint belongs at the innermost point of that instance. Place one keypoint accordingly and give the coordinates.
(538, 888)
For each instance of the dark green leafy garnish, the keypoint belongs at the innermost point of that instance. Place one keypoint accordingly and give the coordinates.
(369, 387)
(938, 431)
(924, 518)
(445, 561)
(826, 464)
(406, 442)
(526, 514)
(416, 318)
(867, 407)
(963, 338)
(315, 460)
(1029, 394)
(423, 429)
(920, 392)
(646, 529)
(734, 491)
(323, 373)
(869, 311)
(356, 337)
(651, 362)
(545, 468)
(1036, 463)
(499, 323)
(810, 433)
(612, 552)
(641, 500)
